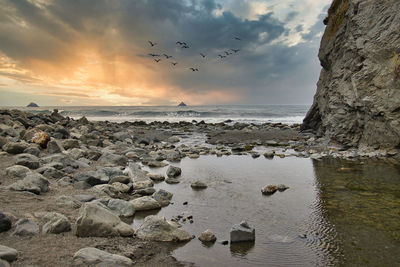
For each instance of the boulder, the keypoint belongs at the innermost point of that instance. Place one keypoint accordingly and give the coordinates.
(145, 203)
(120, 179)
(5, 223)
(282, 187)
(207, 236)
(17, 171)
(170, 180)
(173, 171)
(55, 223)
(120, 187)
(156, 177)
(4, 263)
(25, 227)
(142, 184)
(33, 182)
(33, 150)
(15, 148)
(95, 220)
(84, 197)
(8, 254)
(198, 185)
(121, 207)
(163, 197)
(95, 257)
(108, 189)
(157, 228)
(242, 232)
(27, 160)
(37, 136)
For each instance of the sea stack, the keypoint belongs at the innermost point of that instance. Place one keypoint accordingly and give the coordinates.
(32, 105)
(182, 104)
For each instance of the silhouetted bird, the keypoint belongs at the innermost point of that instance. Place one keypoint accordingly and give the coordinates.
(193, 69)
(185, 46)
(221, 56)
(152, 44)
(201, 54)
(166, 56)
(157, 60)
(237, 38)
(154, 55)
(227, 53)
(174, 63)
(235, 50)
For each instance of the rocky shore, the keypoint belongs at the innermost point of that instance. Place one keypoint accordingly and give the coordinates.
(70, 188)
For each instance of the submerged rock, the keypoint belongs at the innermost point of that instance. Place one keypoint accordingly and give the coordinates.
(173, 171)
(269, 189)
(198, 185)
(207, 236)
(242, 232)
(157, 228)
(96, 257)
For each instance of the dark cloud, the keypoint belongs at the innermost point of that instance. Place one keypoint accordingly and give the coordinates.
(47, 31)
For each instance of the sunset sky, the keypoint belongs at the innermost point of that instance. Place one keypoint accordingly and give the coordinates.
(81, 52)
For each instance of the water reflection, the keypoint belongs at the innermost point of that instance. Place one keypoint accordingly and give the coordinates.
(241, 249)
(361, 200)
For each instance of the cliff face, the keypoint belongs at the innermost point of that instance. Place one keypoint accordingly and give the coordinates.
(357, 102)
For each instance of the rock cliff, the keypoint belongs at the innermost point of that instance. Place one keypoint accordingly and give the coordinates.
(357, 102)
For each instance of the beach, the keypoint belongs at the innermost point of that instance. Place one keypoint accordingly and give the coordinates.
(74, 166)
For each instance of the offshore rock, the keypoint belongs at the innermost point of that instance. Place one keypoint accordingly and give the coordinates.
(357, 102)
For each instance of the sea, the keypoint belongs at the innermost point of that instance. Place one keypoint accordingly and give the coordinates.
(257, 114)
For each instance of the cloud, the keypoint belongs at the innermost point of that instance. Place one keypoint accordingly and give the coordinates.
(100, 51)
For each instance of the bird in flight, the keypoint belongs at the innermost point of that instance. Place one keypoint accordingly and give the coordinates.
(227, 53)
(157, 60)
(235, 50)
(154, 55)
(237, 38)
(152, 44)
(201, 54)
(221, 56)
(166, 56)
(174, 63)
(193, 69)
(185, 46)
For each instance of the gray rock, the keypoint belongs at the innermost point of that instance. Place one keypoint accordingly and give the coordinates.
(95, 257)
(357, 98)
(269, 154)
(95, 220)
(157, 228)
(163, 197)
(5, 223)
(198, 185)
(136, 173)
(144, 192)
(82, 185)
(282, 187)
(173, 171)
(84, 197)
(25, 227)
(54, 146)
(242, 232)
(4, 263)
(15, 148)
(172, 181)
(55, 223)
(68, 202)
(27, 160)
(120, 179)
(8, 254)
(156, 164)
(50, 172)
(108, 189)
(17, 171)
(173, 156)
(70, 143)
(91, 177)
(145, 203)
(120, 187)
(33, 182)
(113, 159)
(156, 177)
(32, 150)
(121, 207)
(207, 236)
(142, 184)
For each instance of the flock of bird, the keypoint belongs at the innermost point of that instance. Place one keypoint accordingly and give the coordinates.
(183, 45)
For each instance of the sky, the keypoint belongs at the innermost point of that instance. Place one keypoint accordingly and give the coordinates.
(81, 52)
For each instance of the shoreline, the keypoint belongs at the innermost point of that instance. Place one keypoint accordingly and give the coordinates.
(78, 147)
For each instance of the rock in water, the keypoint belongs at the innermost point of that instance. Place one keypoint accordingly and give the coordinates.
(95, 220)
(8, 254)
(207, 236)
(96, 257)
(32, 105)
(242, 232)
(182, 104)
(157, 228)
(357, 102)
(198, 185)
(5, 223)
(173, 171)
(269, 189)
(145, 203)
(163, 197)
